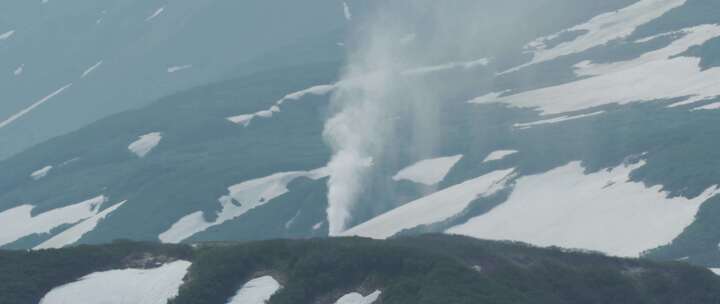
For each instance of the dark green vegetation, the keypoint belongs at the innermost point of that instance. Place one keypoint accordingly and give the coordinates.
(26, 276)
(420, 270)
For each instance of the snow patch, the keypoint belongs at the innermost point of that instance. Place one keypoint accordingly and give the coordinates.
(155, 14)
(241, 198)
(656, 75)
(27, 110)
(715, 270)
(603, 211)
(291, 221)
(346, 11)
(491, 97)
(178, 68)
(245, 119)
(256, 291)
(19, 222)
(600, 30)
(91, 69)
(75, 233)
(356, 298)
(499, 155)
(145, 144)
(429, 171)
(466, 65)
(19, 70)
(653, 37)
(7, 35)
(126, 286)
(41, 173)
(433, 208)
(555, 120)
(712, 106)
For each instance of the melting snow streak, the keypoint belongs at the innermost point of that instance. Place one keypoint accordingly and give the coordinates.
(27, 110)
(91, 69)
(245, 119)
(19, 70)
(156, 13)
(179, 68)
(346, 11)
(41, 173)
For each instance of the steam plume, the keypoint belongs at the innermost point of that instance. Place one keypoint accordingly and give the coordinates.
(384, 97)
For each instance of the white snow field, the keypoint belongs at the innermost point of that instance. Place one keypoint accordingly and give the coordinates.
(126, 286)
(657, 75)
(19, 222)
(555, 120)
(75, 233)
(429, 171)
(356, 298)
(41, 173)
(256, 291)
(600, 30)
(433, 208)
(38, 103)
(145, 144)
(686, 39)
(242, 198)
(603, 211)
(499, 155)
(245, 119)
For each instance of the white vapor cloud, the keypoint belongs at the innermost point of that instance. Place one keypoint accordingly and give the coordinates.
(385, 94)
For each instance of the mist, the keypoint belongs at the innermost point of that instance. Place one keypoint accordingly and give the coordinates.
(404, 62)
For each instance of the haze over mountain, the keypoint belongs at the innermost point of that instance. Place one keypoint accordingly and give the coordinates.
(68, 63)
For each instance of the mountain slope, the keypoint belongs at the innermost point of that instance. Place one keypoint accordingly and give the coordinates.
(594, 128)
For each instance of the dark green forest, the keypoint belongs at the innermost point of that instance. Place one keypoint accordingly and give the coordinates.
(421, 269)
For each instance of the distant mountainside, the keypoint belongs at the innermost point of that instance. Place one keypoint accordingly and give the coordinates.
(578, 124)
(426, 269)
(68, 63)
